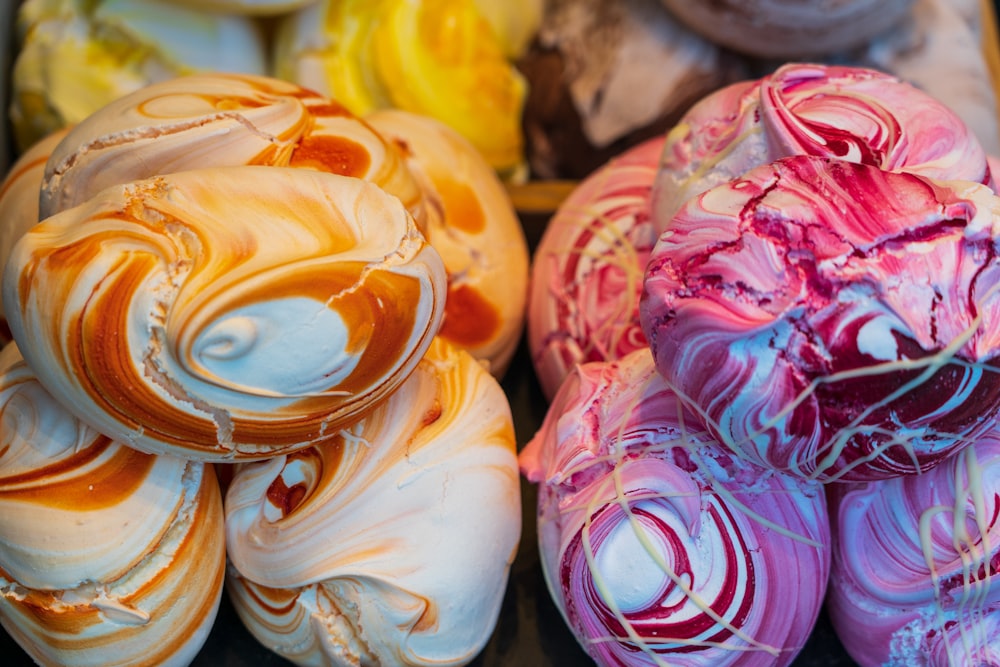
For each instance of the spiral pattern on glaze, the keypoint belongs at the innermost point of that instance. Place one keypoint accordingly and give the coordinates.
(914, 576)
(659, 546)
(586, 278)
(228, 313)
(472, 224)
(848, 113)
(391, 541)
(219, 120)
(831, 319)
(108, 556)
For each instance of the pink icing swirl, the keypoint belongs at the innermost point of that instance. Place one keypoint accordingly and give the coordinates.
(657, 544)
(831, 319)
(586, 279)
(914, 576)
(850, 113)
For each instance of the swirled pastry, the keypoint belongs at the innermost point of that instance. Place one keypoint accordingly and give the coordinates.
(831, 319)
(108, 556)
(391, 542)
(659, 546)
(849, 113)
(225, 313)
(19, 201)
(212, 120)
(914, 575)
(586, 277)
(472, 224)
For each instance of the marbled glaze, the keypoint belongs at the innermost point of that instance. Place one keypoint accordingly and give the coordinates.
(914, 576)
(225, 313)
(658, 545)
(831, 319)
(108, 556)
(391, 542)
(587, 270)
(849, 113)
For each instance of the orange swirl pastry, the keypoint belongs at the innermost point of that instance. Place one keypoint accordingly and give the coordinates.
(19, 201)
(391, 543)
(108, 556)
(472, 223)
(215, 120)
(226, 313)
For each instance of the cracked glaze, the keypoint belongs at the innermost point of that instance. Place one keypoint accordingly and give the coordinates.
(226, 313)
(391, 542)
(586, 277)
(108, 556)
(914, 577)
(658, 545)
(849, 113)
(214, 120)
(831, 319)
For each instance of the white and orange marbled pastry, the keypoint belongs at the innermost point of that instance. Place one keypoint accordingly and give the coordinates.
(472, 223)
(225, 313)
(108, 556)
(212, 120)
(19, 192)
(391, 542)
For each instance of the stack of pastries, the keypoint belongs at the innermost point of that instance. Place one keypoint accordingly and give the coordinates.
(770, 340)
(235, 277)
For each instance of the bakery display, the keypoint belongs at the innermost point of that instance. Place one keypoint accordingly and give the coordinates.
(391, 542)
(248, 310)
(74, 56)
(586, 275)
(658, 545)
(109, 556)
(438, 58)
(863, 300)
(905, 596)
(266, 122)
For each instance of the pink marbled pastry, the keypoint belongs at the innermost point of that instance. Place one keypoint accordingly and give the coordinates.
(914, 576)
(831, 319)
(659, 546)
(850, 113)
(586, 278)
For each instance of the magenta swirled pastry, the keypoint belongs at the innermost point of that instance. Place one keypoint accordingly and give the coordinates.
(225, 313)
(472, 224)
(849, 113)
(391, 542)
(914, 574)
(108, 556)
(658, 545)
(831, 319)
(212, 120)
(586, 277)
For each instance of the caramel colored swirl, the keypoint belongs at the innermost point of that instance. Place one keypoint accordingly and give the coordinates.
(226, 313)
(658, 545)
(108, 556)
(391, 542)
(213, 120)
(473, 226)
